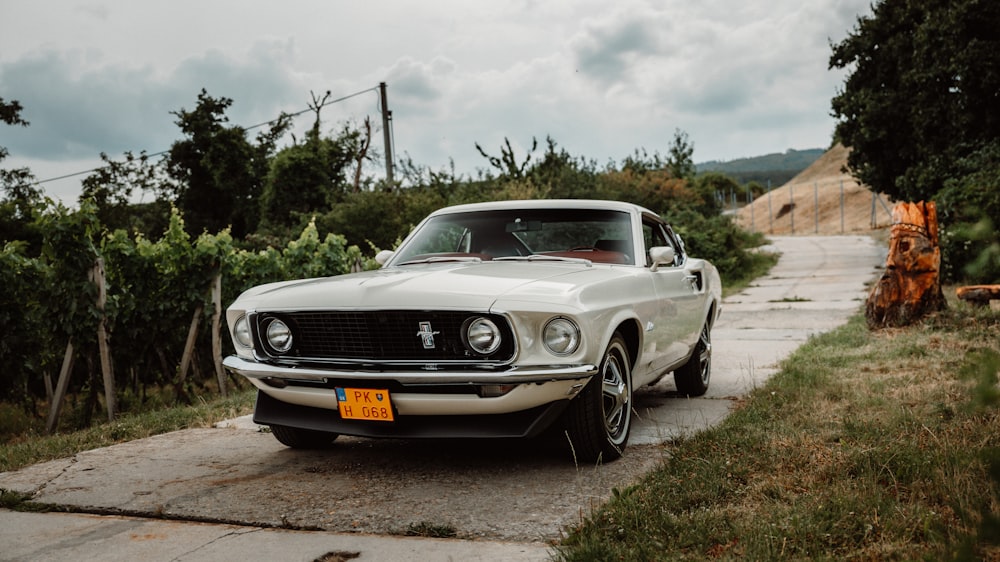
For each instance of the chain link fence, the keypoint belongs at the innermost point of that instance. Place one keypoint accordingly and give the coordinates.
(831, 206)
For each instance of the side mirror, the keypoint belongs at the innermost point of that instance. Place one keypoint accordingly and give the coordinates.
(382, 257)
(660, 255)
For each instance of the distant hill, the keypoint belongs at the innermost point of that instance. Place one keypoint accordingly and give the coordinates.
(777, 168)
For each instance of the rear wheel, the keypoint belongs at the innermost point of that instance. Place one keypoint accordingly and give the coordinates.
(298, 438)
(693, 377)
(599, 419)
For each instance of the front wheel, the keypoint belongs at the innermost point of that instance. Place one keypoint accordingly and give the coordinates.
(298, 438)
(693, 377)
(599, 419)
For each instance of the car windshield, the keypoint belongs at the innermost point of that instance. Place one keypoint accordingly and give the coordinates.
(600, 236)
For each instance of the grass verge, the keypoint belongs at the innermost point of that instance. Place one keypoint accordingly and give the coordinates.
(30, 447)
(867, 445)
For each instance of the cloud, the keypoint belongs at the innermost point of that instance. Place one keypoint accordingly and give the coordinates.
(741, 78)
(605, 50)
(419, 83)
(79, 109)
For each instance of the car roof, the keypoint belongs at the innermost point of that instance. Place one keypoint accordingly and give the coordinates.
(545, 204)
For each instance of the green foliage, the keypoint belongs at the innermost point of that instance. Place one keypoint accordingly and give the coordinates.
(69, 252)
(309, 257)
(154, 287)
(307, 177)
(718, 239)
(112, 188)
(507, 163)
(219, 174)
(921, 94)
(788, 163)
(19, 192)
(370, 217)
(21, 321)
(968, 206)
(679, 162)
(558, 175)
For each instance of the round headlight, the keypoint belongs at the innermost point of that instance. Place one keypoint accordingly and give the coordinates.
(279, 336)
(241, 332)
(482, 336)
(561, 336)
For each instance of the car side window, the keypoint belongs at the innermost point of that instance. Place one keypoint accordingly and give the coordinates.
(677, 243)
(657, 234)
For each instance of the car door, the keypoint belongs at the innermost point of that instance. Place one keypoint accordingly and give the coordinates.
(674, 330)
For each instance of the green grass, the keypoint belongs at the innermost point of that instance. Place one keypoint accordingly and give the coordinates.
(866, 445)
(29, 445)
(428, 529)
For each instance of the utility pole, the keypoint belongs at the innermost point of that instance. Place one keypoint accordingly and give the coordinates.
(386, 136)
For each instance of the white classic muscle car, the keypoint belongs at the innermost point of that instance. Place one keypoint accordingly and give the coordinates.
(490, 320)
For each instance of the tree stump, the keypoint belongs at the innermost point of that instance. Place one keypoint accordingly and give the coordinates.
(910, 288)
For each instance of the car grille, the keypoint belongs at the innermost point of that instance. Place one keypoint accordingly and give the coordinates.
(382, 336)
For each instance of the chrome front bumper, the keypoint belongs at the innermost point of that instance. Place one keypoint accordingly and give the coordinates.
(510, 375)
(531, 387)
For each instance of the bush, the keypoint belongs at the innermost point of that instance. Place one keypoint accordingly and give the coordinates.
(967, 207)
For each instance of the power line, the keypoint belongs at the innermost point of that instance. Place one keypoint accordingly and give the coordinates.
(250, 128)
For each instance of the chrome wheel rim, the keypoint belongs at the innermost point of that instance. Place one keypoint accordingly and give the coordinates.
(615, 396)
(705, 354)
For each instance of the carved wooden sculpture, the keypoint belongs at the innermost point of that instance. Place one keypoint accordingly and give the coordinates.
(911, 284)
(979, 295)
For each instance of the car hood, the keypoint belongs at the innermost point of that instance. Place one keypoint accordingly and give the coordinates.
(443, 286)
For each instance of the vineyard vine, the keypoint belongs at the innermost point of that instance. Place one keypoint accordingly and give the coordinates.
(154, 288)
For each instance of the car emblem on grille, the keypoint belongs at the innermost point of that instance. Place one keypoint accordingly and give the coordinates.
(426, 335)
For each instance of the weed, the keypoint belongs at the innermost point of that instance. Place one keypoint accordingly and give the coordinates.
(792, 299)
(427, 529)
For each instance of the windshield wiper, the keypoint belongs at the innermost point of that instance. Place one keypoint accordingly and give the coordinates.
(543, 257)
(440, 259)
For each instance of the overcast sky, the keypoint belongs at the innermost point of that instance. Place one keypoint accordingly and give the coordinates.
(603, 79)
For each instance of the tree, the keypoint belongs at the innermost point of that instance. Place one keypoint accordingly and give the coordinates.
(18, 184)
(220, 173)
(308, 177)
(679, 162)
(560, 175)
(923, 92)
(111, 188)
(507, 163)
(20, 192)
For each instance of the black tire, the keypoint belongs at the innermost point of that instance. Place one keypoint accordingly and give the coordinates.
(298, 438)
(598, 421)
(693, 377)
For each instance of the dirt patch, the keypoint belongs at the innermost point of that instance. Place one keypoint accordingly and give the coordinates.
(822, 199)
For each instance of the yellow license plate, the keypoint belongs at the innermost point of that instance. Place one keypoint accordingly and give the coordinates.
(364, 404)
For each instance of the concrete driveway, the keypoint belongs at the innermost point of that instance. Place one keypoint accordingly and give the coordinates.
(235, 493)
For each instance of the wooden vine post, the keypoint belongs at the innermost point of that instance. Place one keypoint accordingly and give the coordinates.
(188, 357)
(188, 354)
(220, 372)
(96, 276)
(910, 288)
